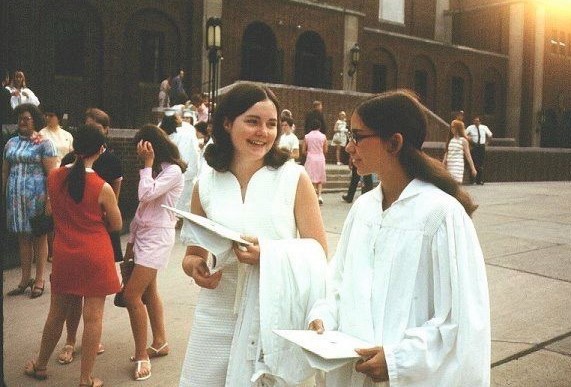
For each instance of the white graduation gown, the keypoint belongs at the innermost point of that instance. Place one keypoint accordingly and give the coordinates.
(411, 279)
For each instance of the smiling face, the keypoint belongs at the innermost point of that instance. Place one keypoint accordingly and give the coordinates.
(369, 153)
(254, 132)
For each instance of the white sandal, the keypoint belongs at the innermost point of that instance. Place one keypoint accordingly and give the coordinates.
(138, 370)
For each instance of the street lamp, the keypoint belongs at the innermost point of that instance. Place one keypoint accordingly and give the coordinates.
(354, 59)
(214, 47)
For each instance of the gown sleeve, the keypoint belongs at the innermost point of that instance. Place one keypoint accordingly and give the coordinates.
(455, 342)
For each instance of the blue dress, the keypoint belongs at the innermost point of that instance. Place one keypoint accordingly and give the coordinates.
(26, 185)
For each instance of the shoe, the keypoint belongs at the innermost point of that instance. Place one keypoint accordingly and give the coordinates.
(320, 200)
(37, 291)
(480, 183)
(32, 370)
(138, 370)
(20, 289)
(100, 349)
(339, 163)
(50, 258)
(66, 354)
(95, 382)
(153, 352)
(346, 198)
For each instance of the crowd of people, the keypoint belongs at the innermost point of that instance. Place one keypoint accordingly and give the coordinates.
(407, 276)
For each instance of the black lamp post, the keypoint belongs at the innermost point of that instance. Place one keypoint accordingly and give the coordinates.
(214, 47)
(354, 59)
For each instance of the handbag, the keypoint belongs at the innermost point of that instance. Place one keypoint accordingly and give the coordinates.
(126, 271)
(41, 224)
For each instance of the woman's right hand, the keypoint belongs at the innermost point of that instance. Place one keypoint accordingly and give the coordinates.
(200, 272)
(317, 325)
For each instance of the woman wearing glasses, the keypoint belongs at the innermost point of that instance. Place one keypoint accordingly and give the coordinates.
(28, 159)
(408, 273)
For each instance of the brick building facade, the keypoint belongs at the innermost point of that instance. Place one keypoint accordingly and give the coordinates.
(508, 61)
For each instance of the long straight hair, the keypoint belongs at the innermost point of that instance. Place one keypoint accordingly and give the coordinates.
(399, 111)
(86, 142)
(456, 128)
(165, 150)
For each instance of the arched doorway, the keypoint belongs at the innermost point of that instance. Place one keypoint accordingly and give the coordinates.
(259, 54)
(310, 61)
(152, 52)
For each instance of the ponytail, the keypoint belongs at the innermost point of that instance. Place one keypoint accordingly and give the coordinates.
(418, 164)
(76, 179)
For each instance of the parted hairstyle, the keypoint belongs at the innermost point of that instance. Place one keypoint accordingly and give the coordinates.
(34, 111)
(98, 116)
(87, 141)
(399, 111)
(237, 101)
(165, 150)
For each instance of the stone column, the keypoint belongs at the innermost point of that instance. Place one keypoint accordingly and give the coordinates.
(212, 8)
(351, 37)
(538, 73)
(443, 22)
(515, 70)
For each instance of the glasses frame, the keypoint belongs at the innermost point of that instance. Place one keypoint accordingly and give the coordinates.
(356, 138)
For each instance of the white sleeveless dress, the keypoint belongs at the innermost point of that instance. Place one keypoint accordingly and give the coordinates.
(455, 159)
(267, 212)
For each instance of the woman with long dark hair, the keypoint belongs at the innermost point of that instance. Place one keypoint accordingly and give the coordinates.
(84, 209)
(253, 190)
(151, 238)
(408, 274)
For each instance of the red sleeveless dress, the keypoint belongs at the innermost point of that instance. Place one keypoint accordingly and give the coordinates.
(83, 261)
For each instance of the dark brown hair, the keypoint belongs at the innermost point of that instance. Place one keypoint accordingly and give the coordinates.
(34, 111)
(232, 104)
(165, 150)
(98, 116)
(399, 111)
(87, 141)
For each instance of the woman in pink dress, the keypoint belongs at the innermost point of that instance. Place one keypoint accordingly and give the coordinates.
(315, 149)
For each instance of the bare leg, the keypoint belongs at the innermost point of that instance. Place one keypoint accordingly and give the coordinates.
(92, 321)
(53, 327)
(41, 255)
(72, 321)
(319, 188)
(156, 314)
(26, 254)
(137, 285)
(338, 153)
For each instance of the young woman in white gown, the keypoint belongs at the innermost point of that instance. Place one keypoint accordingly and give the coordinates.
(253, 190)
(408, 275)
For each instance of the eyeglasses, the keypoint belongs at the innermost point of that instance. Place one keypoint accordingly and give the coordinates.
(25, 118)
(356, 138)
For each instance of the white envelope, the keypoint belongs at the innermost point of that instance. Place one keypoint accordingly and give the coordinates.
(326, 351)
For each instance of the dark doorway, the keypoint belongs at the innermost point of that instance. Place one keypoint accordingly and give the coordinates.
(259, 54)
(310, 60)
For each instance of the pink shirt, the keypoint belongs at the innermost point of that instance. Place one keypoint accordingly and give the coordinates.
(165, 188)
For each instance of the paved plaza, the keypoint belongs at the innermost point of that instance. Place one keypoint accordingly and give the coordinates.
(525, 232)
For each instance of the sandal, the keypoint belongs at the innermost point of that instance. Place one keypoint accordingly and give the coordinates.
(66, 354)
(95, 382)
(37, 291)
(154, 352)
(38, 373)
(137, 375)
(100, 349)
(20, 289)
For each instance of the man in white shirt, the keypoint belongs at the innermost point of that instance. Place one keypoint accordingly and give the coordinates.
(477, 135)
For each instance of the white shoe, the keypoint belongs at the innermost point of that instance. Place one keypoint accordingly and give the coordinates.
(339, 163)
(320, 199)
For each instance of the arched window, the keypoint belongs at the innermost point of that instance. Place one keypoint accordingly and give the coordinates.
(384, 74)
(259, 54)
(310, 61)
(460, 81)
(423, 79)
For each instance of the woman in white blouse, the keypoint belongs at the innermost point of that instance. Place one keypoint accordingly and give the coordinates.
(408, 275)
(20, 92)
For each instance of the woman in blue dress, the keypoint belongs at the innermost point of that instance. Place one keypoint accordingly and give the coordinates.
(27, 161)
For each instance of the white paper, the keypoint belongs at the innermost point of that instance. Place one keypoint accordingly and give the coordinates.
(209, 225)
(326, 351)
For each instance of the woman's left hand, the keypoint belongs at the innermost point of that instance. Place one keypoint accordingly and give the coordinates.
(146, 152)
(373, 364)
(248, 254)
